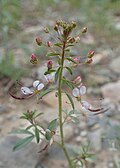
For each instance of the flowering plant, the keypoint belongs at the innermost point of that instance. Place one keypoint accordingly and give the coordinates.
(55, 74)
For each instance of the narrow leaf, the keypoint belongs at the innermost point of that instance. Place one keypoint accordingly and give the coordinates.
(45, 92)
(58, 45)
(29, 127)
(67, 82)
(51, 54)
(52, 125)
(70, 99)
(37, 135)
(69, 69)
(57, 73)
(71, 60)
(37, 115)
(21, 143)
(21, 131)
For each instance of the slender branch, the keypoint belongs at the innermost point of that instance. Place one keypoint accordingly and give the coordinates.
(60, 106)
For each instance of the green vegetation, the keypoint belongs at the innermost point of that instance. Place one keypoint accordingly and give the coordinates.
(7, 68)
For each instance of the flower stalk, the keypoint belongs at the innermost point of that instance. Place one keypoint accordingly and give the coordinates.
(60, 105)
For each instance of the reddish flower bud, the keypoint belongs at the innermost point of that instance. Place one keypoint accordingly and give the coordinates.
(77, 80)
(49, 64)
(84, 30)
(50, 44)
(90, 54)
(34, 59)
(39, 41)
(76, 59)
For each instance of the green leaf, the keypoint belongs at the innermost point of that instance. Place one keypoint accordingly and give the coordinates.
(21, 131)
(69, 83)
(70, 99)
(37, 115)
(45, 92)
(24, 117)
(57, 73)
(48, 134)
(37, 134)
(69, 69)
(52, 54)
(67, 50)
(50, 71)
(29, 127)
(71, 60)
(58, 45)
(70, 45)
(52, 125)
(21, 143)
(75, 120)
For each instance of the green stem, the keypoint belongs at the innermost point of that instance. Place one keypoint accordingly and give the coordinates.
(60, 106)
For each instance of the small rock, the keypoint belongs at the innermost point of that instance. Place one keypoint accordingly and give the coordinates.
(111, 91)
(78, 139)
(68, 132)
(3, 108)
(95, 139)
(117, 26)
(108, 104)
(115, 65)
(27, 81)
(25, 158)
(88, 39)
(83, 133)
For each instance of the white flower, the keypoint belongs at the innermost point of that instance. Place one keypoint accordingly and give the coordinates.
(50, 78)
(78, 92)
(37, 87)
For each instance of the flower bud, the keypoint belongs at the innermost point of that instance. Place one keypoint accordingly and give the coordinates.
(84, 30)
(71, 40)
(77, 39)
(46, 30)
(73, 24)
(49, 64)
(56, 27)
(90, 54)
(77, 80)
(50, 44)
(39, 41)
(34, 59)
(89, 61)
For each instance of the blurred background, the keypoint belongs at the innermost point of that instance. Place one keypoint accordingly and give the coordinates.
(21, 21)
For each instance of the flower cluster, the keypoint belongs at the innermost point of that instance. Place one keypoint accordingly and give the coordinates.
(55, 74)
(79, 91)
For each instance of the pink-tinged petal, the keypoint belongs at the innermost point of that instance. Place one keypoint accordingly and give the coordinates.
(36, 83)
(82, 90)
(86, 105)
(40, 86)
(26, 90)
(75, 92)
